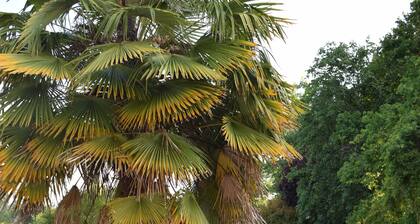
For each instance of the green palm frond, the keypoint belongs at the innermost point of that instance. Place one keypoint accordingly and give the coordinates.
(83, 118)
(134, 210)
(252, 142)
(13, 138)
(106, 149)
(116, 16)
(31, 34)
(273, 114)
(46, 151)
(45, 66)
(166, 155)
(102, 6)
(178, 66)
(115, 53)
(245, 19)
(188, 211)
(172, 101)
(110, 82)
(30, 101)
(35, 193)
(225, 56)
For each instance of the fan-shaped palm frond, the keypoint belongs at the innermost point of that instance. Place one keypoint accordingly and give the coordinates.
(166, 155)
(20, 168)
(226, 56)
(106, 149)
(119, 14)
(31, 34)
(46, 151)
(172, 101)
(45, 66)
(115, 53)
(30, 101)
(13, 138)
(245, 19)
(84, 118)
(249, 141)
(178, 66)
(188, 211)
(110, 82)
(133, 210)
(273, 114)
(35, 193)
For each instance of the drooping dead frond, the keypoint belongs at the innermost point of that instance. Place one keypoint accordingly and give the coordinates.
(68, 210)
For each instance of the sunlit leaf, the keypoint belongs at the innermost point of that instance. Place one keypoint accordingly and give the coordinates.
(107, 55)
(166, 154)
(249, 141)
(134, 210)
(172, 101)
(178, 66)
(45, 66)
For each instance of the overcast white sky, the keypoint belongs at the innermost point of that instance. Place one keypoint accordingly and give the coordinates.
(316, 23)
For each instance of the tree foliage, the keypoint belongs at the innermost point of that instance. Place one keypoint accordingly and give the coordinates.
(359, 137)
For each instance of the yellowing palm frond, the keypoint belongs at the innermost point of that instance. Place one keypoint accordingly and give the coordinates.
(134, 210)
(188, 211)
(274, 115)
(45, 66)
(166, 155)
(35, 193)
(172, 101)
(46, 151)
(249, 141)
(178, 66)
(84, 118)
(31, 34)
(116, 53)
(30, 102)
(20, 168)
(106, 149)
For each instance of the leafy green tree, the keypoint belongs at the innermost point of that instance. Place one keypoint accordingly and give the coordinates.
(326, 130)
(169, 107)
(388, 164)
(360, 136)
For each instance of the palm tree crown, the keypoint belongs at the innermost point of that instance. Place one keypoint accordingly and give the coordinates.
(168, 106)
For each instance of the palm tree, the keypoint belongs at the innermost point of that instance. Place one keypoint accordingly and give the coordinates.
(168, 107)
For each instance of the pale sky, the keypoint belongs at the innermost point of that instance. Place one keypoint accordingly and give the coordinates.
(316, 23)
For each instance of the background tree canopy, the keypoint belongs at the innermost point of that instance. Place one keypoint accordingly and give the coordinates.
(360, 136)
